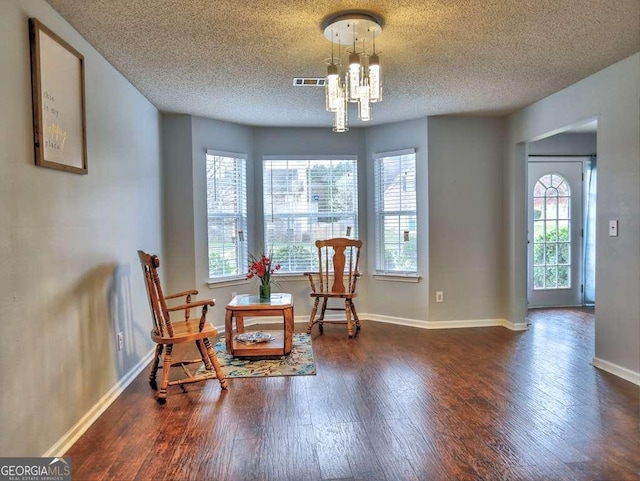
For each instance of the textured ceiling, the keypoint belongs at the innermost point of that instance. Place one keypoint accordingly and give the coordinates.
(235, 60)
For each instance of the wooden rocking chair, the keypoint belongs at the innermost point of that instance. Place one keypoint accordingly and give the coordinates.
(166, 333)
(338, 263)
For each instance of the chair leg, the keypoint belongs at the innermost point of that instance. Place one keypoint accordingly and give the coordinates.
(313, 315)
(204, 355)
(166, 370)
(323, 309)
(154, 368)
(355, 315)
(347, 311)
(216, 364)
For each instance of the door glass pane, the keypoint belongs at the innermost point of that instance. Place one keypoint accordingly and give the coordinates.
(551, 233)
(552, 257)
(538, 254)
(538, 208)
(563, 253)
(563, 276)
(550, 277)
(563, 230)
(538, 277)
(538, 230)
(563, 188)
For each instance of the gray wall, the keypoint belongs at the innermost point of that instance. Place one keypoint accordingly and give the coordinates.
(178, 261)
(69, 274)
(465, 217)
(186, 140)
(613, 97)
(564, 144)
(392, 299)
(462, 183)
(185, 143)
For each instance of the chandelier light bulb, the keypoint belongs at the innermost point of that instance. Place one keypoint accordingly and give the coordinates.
(375, 84)
(364, 107)
(331, 88)
(354, 77)
(340, 121)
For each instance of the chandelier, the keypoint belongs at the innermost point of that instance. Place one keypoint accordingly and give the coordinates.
(359, 81)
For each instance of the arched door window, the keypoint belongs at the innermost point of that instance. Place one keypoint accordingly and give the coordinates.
(551, 233)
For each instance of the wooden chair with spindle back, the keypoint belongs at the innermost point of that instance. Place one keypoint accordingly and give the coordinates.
(166, 333)
(338, 264)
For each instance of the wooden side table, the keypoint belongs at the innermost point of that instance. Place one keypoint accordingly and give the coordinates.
(245, 305)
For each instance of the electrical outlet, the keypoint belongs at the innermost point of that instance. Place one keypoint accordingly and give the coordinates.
(120, 341)
(439, 296)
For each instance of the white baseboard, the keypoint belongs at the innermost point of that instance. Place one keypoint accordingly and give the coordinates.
(516, 326)
(72, 435)
(617, 370)
(401, 321)
(466, 323)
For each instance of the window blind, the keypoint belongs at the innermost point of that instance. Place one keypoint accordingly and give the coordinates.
(306, 200)
(226, 214)
(395, 207)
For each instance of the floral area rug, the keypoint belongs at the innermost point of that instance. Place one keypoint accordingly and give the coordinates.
(298, 363)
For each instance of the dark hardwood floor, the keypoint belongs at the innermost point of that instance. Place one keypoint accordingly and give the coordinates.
(397, 403)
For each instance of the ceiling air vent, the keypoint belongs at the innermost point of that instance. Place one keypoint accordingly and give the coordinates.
(309, 81)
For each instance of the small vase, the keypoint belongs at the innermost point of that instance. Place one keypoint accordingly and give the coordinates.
(265, 292)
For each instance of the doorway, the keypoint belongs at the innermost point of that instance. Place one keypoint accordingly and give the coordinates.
(555, 226)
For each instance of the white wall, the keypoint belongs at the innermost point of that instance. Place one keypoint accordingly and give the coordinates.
(613, 97)
(69, 274)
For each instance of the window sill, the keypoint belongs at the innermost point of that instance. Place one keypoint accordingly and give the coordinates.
(293, 277)
(413, 278)
(226, 282)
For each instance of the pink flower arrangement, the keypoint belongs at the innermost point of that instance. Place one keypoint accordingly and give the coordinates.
(261, 267)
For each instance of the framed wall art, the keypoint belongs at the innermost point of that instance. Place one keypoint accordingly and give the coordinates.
(57, 79)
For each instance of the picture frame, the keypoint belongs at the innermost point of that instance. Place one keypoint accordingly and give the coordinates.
(59, 117)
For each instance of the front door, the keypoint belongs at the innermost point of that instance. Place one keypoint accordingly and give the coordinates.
(555, 233)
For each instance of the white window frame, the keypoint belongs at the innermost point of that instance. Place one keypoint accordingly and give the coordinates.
(269, 215)
(238, 238)
(381, 271)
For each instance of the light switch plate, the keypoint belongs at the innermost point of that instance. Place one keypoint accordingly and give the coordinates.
(613, 228)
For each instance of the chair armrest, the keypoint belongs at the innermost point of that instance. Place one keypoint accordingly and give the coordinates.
(191, 292)
(182, 307)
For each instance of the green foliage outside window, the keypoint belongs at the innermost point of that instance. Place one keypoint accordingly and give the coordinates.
(219, 266)
(294, 258)
(402, 259)
(551, 259)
